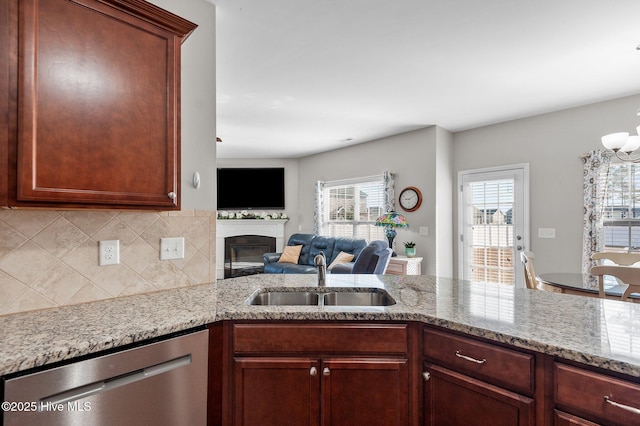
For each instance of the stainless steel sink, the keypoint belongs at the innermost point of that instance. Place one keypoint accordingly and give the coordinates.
(360, 298)
(334, 297)
(285, 298)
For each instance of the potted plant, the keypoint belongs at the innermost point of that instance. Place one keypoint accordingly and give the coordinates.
(410, 248)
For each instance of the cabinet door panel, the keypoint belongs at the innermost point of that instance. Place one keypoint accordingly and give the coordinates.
(596, 396)
(564, 419)
(452, 398)
(366, 392)
(98, 115)
(276, 392)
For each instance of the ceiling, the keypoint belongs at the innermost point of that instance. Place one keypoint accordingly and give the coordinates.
(298, 77)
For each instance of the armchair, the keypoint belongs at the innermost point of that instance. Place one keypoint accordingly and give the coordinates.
(373, 259)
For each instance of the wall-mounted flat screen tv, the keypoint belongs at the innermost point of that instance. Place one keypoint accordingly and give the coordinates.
(251, 188)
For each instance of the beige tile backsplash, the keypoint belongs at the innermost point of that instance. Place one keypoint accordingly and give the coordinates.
(50, 258)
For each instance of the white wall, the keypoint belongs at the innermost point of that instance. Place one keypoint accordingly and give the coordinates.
(418, 158)
(552, 145)
(444, 203)
(198, 102)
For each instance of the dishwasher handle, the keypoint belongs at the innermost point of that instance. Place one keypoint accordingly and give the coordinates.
(115, 382)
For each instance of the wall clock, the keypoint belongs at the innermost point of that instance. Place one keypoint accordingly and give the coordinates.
(410, 199)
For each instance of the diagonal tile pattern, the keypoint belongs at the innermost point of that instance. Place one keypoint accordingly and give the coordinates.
(50, 258)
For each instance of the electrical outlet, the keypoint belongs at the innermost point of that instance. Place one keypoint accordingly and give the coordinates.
(171, 248)
(546, 232)
(109, 252)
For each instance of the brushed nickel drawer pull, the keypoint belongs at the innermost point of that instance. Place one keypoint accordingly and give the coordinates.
(326, 371)
(426, 376)
(468, 358)
(313, 372)
(624, 407)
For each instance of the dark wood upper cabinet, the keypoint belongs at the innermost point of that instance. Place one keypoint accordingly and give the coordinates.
(94, 103)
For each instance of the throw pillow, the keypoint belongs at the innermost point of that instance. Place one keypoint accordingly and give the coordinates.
(342, 257)
(290, 254)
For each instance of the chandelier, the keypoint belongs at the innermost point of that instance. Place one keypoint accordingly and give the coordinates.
(623, 145)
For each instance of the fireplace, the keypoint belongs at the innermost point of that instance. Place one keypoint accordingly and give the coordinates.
(273, 228)
(243, 254)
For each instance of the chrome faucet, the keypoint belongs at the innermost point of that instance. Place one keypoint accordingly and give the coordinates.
(321, 263)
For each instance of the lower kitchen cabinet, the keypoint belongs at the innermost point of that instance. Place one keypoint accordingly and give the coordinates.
(365, 392)
(564, 419)
(304, 391)
(333, 373)
(276, 391)
(585, 397)
(452, 398)
(328, 374)
(472, 382)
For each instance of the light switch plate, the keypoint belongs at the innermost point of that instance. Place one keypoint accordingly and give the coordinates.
(424, 231)
(546, 232)
(171, 248)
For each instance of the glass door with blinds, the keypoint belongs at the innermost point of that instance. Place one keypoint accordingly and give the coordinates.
(493, 224)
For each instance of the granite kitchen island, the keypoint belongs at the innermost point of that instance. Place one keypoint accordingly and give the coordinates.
(548, 328)
(601, 333)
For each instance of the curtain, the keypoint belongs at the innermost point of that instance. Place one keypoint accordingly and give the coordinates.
(318, 215)
(595, 174)
(389, 192)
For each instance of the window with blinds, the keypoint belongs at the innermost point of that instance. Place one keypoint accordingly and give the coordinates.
(621, 210)
(350, 208)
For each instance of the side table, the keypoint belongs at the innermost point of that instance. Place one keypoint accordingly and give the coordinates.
(403, 265)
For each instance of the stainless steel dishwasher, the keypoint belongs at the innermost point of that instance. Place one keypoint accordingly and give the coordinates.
(162, 383)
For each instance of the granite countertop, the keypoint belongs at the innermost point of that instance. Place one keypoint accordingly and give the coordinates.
(602, 333)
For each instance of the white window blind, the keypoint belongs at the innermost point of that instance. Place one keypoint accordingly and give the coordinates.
(621, 212)
(491, 205)
(349, 208)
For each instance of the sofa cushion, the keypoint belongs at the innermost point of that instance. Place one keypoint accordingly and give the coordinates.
(305, 241)
(290, 254)
(342, 257)
(319, 245)
(349, 245)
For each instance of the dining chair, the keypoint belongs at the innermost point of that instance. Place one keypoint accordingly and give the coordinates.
(530, 279)
(622, 259)
(626, 274)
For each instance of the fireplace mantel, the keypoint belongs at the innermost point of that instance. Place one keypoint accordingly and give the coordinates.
(234, 227)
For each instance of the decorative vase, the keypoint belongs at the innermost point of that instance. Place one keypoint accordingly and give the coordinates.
(410, 251)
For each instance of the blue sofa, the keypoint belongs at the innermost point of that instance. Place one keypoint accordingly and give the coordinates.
(311, 246)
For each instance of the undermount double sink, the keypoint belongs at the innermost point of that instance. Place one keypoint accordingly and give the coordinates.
(330, 297)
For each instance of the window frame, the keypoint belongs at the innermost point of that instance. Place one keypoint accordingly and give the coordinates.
(629, 206)
(326, 225)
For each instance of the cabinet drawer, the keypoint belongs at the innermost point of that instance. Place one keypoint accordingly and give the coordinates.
(564, 419)
(596, 396)
(320, 338)
(395, 268)
(503, 367)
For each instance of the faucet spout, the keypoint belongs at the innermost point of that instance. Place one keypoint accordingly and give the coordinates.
(321, 263)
